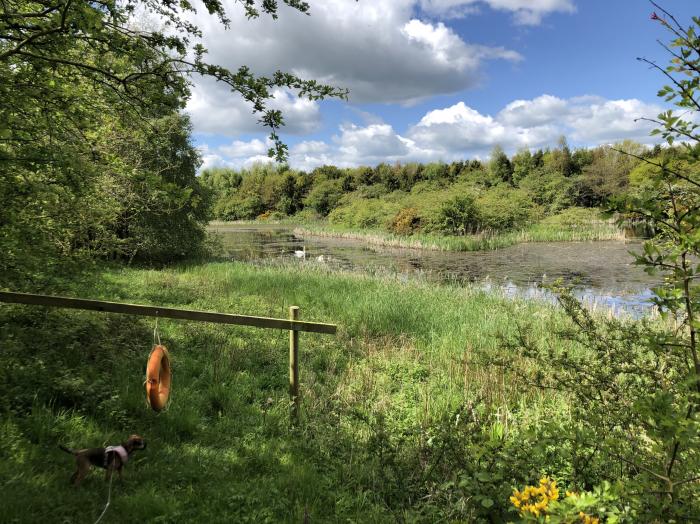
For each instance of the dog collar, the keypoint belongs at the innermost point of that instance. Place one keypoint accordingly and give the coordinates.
(119, 450)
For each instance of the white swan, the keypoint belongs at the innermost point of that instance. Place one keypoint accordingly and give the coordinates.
(300, 253)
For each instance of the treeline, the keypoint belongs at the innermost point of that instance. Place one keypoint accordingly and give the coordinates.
(458, 198)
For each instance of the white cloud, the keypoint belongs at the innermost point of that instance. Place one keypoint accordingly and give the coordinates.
(381, 50)
(211, 158)
(525, 12)
(587, 121)
(240, 148)
(374, 141)
(257, 159)
(543, 110)
(215, 110)
(594, 119)
(378, 50)
(309, 147)
(459, 132)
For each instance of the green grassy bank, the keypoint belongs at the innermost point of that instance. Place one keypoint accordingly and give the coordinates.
(540, 232)
(400, 420)
(573, 225)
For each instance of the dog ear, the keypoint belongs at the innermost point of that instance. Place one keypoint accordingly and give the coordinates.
(136, 441)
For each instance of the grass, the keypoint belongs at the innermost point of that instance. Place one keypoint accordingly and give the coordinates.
(379, 399)
(540, 232)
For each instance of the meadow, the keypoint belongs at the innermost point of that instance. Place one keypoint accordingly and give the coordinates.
(393, 408)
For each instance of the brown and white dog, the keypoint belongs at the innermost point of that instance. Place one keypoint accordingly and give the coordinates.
(111, 458)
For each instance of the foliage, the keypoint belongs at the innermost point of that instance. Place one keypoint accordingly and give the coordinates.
(545, 503)
(363, 214)
(500, 166)
(534, 187)
(504, 209)
(405, 222)
(324, 196)
(635, 386)
(460, 216)
(95, 157)
(100, 44)
(608, 173)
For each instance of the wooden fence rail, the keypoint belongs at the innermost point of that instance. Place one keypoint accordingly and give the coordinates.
(292, 324)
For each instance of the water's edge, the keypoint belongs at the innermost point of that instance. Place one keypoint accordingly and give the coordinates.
(601, 271)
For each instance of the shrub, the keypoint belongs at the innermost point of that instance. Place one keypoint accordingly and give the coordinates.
(405, 222)
(503, 209)
(325, 196)
(361, 213)
(460, 216)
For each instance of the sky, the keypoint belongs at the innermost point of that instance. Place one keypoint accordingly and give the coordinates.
(436, 80)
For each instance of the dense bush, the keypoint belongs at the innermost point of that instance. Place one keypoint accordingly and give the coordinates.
(504, 209)
(405, 222)
(366, 214)
(460, 216)
(324, 196)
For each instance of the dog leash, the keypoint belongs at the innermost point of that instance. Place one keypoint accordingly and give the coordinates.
(109, 498)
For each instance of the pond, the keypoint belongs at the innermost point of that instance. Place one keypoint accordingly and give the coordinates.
(603, 273)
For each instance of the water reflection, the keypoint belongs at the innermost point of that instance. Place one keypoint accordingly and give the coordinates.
(602, 272)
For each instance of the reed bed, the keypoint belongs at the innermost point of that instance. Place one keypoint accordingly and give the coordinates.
(595, 231)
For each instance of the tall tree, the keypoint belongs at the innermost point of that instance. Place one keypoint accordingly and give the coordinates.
(500, 166)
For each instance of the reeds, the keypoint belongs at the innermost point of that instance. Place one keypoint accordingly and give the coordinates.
(594, 231)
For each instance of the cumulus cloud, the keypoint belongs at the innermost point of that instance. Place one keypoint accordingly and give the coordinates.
(459, 131)
(378, 50)
(525, 12)
(240, 148)
(215, 110)
(382, 51)
(587, 121)
(373, 141)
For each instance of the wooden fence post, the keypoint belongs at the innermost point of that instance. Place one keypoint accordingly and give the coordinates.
(294, 365)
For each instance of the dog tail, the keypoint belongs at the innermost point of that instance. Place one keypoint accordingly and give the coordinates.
(67, 450)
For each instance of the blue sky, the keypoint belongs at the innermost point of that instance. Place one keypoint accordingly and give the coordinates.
(438, 79)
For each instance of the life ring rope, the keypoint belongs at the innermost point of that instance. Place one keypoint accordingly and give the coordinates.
(158, 378)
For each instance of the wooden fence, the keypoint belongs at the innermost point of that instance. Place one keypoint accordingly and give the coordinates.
(293, 324)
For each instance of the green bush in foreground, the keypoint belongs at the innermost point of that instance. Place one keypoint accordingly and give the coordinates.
(634, 390)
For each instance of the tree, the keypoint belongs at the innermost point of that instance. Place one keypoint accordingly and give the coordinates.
(607, 173)
(324, 196)
(523, 164)
(561, 158)
(99, 42)
(500, 167)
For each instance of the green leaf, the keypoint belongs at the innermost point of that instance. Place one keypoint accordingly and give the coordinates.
(487, 502)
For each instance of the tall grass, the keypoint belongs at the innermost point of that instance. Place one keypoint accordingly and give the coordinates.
(541, 232)
(403, 361)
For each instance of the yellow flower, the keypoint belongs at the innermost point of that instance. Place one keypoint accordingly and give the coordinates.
(587, 519)
(535, 499)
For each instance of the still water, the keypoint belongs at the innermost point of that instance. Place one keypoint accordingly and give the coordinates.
(602, 272)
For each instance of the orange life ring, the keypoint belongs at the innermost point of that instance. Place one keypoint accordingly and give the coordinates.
(158, 378)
